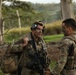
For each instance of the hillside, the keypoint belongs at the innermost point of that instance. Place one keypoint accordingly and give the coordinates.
(52, 12)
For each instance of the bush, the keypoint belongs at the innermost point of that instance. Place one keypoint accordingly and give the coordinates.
(53, 28)
(15, 33)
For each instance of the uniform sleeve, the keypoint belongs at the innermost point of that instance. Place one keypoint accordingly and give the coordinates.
(64, 46)
(16, 48)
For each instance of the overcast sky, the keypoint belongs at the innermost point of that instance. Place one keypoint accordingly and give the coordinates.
(44, 1)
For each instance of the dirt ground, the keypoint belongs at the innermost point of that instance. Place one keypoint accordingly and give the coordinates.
(53, 51)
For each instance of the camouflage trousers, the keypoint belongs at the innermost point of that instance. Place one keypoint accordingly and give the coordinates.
(69, 72)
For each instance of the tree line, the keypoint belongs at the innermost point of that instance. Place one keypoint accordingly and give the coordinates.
(22, 14)
(29, 12)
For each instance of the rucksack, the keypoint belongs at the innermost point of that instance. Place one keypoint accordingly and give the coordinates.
(8, 63)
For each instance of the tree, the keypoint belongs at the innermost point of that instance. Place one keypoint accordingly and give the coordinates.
(18, 12)
(67, 10)
(1, 23)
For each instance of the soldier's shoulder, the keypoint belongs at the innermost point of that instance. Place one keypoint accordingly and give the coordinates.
(68, 40)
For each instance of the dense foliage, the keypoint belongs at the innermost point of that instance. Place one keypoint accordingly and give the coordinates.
(30, 12)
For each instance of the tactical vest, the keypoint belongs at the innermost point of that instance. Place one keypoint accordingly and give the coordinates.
(37, 54)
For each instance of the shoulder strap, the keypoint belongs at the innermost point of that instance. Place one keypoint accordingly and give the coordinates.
(33, 42)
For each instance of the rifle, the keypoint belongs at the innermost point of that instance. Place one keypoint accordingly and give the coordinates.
(37, 61)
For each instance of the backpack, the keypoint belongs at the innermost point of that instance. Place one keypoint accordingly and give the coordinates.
(8, 63)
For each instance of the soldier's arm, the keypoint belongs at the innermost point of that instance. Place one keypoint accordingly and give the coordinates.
(63, 57)
(18, 47)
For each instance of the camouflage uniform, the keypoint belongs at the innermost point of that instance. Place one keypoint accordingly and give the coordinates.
(27, 53)
(67, 63)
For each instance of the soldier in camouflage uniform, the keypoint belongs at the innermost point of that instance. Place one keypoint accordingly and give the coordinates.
(26, 51)
(66, 65)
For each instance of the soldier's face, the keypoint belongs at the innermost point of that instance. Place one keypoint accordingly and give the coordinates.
(38, 31)
(65, 29)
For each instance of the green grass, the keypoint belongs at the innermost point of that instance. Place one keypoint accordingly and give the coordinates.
(52, 38)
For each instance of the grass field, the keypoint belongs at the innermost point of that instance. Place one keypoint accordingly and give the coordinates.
(51, 38)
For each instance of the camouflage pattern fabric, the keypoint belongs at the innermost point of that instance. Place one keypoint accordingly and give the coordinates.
(64, 47)
(26, 71)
